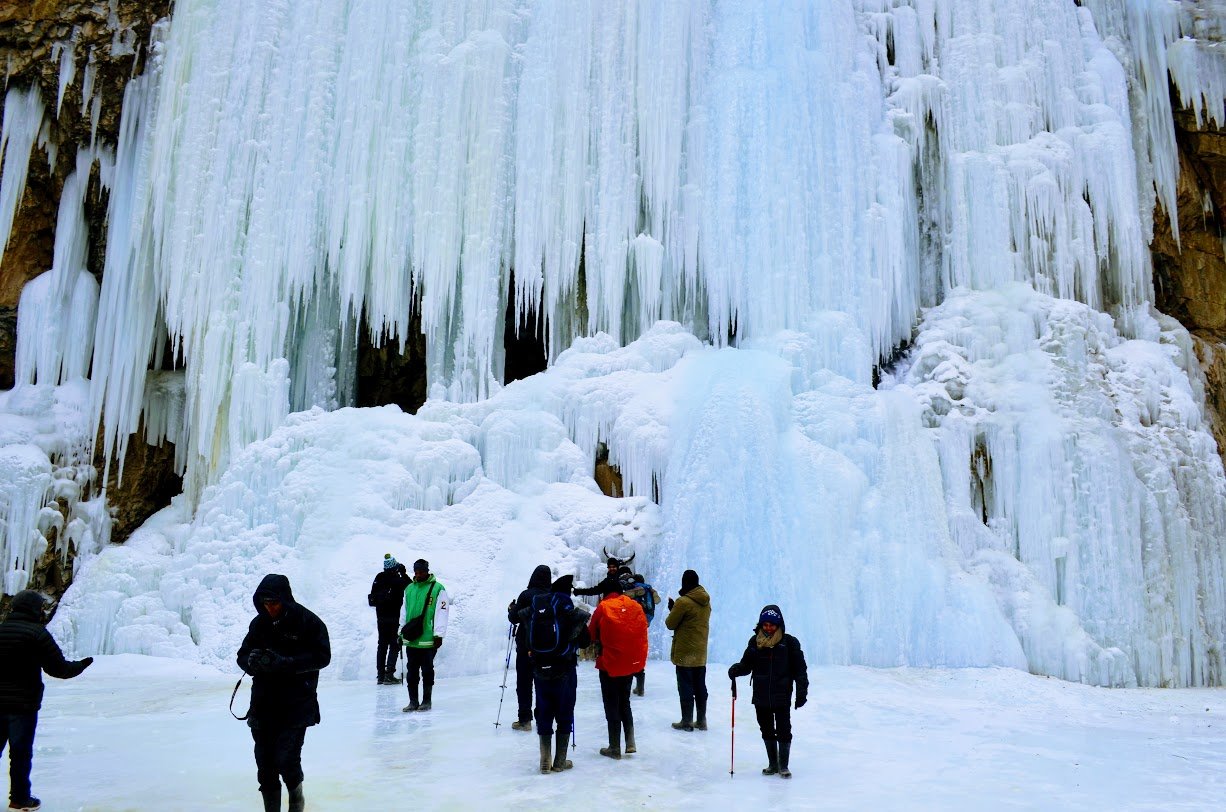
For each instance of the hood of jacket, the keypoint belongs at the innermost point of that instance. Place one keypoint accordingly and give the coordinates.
(273, 586)
(564, 584)
(782, 626)
(28, 604)
(541, 577)
(699, 596)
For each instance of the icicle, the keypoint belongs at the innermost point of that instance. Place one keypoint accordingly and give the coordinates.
(23, 118)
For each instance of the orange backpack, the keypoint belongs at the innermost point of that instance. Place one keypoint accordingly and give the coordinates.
(621, 627)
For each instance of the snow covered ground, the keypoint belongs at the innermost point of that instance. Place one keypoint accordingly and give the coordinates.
(145, 733)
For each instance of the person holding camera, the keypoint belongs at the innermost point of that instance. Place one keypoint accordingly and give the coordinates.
(425, 622)
(387, 596)
(27, 649)
(285, 648)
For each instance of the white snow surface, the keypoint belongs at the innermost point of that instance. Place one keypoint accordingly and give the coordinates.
(138, 733)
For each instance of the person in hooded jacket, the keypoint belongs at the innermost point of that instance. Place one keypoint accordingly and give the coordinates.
(775, 660)
(27, 649)
(555, 675)
(619, 629)
(689, 618)
(285, 648)
(538, 584)
(387, 595)
(427, 598)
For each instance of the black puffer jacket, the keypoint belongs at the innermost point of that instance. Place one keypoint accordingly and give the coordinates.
(27, 649)
(538, 584)
(387, 593)
(284, 694)
(774, 669)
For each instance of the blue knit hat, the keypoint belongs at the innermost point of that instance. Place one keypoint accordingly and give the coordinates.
(770, 616)
(389, 562)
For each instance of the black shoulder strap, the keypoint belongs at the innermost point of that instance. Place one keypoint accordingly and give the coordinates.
(234, 694)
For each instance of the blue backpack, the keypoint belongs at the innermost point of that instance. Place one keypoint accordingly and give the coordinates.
(647, 601)
(546, 634)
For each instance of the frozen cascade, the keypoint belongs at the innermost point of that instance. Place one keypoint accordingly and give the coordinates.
(726, 215)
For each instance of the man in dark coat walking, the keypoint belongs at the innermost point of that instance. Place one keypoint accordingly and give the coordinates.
(387, 596)
(775, 660)
(27, 649)
(538, 584)
(285, 647)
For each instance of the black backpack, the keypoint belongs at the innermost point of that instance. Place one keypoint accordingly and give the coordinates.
(546, 633)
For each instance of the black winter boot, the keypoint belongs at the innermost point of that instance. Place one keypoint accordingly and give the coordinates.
(687, 716)
(630, 748)
(272, 799)
(785, 750)
(639, 679)
(560, 761)
(772, 757)
(701, 722)
(297, 803)
(28, 805)
(614, 750)
(413, 703)
(382, 677)
(546, 757)
(425, 696)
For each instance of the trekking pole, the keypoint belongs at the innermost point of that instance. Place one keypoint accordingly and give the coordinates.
(505, 670)
(732, 748)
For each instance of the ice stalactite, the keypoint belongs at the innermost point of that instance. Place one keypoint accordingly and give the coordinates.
(23, 119)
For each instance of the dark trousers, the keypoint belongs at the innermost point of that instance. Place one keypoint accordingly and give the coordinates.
(17, 732)
(278, 754)
(523, 683)
(776, 723)
(555, 702)
(419, 666)
(615, 691)
(389, 648)
(691, 685)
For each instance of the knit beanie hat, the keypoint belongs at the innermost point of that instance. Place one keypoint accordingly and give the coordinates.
(389, 563)
(689, 580)
(770, 616)
(421, 565)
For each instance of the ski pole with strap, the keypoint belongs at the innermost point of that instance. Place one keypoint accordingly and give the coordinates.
(732, 747)
(505, 670)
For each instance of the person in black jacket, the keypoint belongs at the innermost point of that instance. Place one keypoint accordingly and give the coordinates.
(538, 584)
(775, 660)
(387, 596)
(27, 649)
(555, 674)
(285, 647)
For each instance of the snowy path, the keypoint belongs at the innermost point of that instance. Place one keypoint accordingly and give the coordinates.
(139, 733)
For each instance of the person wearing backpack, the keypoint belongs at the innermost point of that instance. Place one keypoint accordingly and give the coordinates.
(538, 584)
(776, 662)
(386, 596)
(619, 629)
(27, 649)
(645, 596)
(689, 618)
(426, 608)
(555, 630)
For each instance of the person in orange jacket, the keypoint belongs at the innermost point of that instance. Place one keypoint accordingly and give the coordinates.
(619, 629)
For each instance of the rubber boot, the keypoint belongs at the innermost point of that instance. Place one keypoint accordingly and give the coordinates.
(630, 748)
(425, 696)
(785, 750)
(382, 677)
(272, 799)
(297, 803)
(546, 757)
(560, 761)
(614, 750)
(772, 757)
(701, 722)
(639, 679)
(413, 703)
(687, 715)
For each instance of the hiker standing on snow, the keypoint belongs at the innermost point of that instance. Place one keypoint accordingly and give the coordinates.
(426, 607)
(538, 584)
(610, 583)
(27, 649)
(555, 629)
(285, 648)
(775, 661)
(645, 596)
(387, 595)
(619, 629)
(689, 618)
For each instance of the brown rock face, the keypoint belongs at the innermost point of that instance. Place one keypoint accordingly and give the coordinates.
(1190, 278)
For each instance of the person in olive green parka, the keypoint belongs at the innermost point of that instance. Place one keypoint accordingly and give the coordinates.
(689, 617)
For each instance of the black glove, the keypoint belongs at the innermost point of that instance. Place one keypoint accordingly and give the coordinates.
(511, 606)
(257, 661)
(731, 672)
(86, 663)
(801, 699)
(670, 604)
(279, 663)
(438, 641)
(400, 568)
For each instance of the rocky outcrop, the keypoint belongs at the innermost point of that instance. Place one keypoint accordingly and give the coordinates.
(1190, 276)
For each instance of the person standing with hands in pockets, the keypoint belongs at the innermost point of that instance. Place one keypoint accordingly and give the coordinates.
(426, 607)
